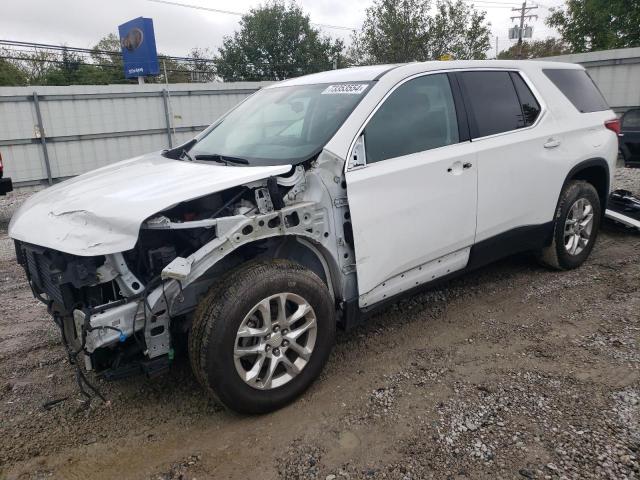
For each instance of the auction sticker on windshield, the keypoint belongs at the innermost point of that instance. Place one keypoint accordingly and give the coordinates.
(345, 88)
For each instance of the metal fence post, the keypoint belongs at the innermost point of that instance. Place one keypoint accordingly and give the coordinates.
(43, 139)
(165, 101)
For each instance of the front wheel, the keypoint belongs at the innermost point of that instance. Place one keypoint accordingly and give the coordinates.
(576, 226)
(262, 335)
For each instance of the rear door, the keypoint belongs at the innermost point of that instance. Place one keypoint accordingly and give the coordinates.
(413, 202)
(518, 159)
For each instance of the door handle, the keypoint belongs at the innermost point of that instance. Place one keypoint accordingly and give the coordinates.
(457, 167)
(552, 143)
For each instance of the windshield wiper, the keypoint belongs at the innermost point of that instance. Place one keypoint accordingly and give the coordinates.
(216, 157)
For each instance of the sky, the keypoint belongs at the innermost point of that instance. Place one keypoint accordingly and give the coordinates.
(81, 23)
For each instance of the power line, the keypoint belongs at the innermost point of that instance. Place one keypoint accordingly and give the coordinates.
(91, 51)
(62, 62)
(229, 12)
(83, 61)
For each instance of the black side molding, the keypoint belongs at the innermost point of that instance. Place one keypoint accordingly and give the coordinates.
(517, 240)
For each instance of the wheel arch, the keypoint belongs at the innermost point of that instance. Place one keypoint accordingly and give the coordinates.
(594, 171)
(297, 248)
(312, 256)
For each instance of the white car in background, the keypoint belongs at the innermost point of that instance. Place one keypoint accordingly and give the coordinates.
(310, 204)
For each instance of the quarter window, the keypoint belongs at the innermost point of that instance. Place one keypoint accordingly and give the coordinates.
(419, 115)
(578, 87)
(495, 107)
(528, 103)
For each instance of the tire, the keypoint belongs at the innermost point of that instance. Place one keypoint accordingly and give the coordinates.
(246, 382)
(563, 253)
(70, 336)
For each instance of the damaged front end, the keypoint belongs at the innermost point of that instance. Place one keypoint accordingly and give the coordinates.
(101, 307)
(124, 313)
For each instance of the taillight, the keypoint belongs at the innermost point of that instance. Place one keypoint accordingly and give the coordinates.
(1, 165)
(613, 125)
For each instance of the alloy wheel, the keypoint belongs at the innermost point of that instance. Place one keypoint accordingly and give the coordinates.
(578, 226)
(275, 341)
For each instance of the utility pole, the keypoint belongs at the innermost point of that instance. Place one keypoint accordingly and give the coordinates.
(496, 47)
(524, 14)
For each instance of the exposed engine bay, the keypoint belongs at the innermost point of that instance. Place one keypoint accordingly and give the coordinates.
(121, 313)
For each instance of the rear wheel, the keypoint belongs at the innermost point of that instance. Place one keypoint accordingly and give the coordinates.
(576, 226)
(262, 335)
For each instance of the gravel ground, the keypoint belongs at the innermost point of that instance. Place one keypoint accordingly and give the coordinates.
(512, 371)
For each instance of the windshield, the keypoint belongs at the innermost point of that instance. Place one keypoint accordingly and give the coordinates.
(283, 125)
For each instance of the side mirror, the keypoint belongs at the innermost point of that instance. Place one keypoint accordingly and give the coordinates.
(358, 156)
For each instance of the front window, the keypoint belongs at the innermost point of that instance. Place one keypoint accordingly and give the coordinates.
(419, 115)
(282, 125)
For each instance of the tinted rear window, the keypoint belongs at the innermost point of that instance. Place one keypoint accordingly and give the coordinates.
(578, 87)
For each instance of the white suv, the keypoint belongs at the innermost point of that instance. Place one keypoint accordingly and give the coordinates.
(308, 205)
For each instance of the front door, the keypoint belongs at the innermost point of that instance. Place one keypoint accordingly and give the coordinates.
(413, 203)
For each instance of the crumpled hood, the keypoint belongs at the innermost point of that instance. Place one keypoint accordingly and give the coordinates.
(100, 212)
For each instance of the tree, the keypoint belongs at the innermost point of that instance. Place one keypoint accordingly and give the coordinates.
(11, 74)
(66, 71)
(393, 32)
(536, 49)
(34, 65)
(274, 42)
(589, 25)
(202, 65)
(177, 72)
(404, 31)
(107, 58)
(460, 30)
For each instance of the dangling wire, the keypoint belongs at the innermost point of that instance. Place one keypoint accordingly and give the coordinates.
(81, 378)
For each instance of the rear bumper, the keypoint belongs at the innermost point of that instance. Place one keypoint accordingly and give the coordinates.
(6, 185)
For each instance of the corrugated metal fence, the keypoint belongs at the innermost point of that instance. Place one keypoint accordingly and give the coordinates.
(48, 133)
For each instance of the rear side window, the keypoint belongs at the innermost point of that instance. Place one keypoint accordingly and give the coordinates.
(631, 120)
(495, 107)
(528, 103)
(578, 87)
(419, 115)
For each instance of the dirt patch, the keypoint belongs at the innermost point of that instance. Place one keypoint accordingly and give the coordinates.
(513, 371)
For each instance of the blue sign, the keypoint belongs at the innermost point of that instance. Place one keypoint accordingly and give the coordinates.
(138, 44)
